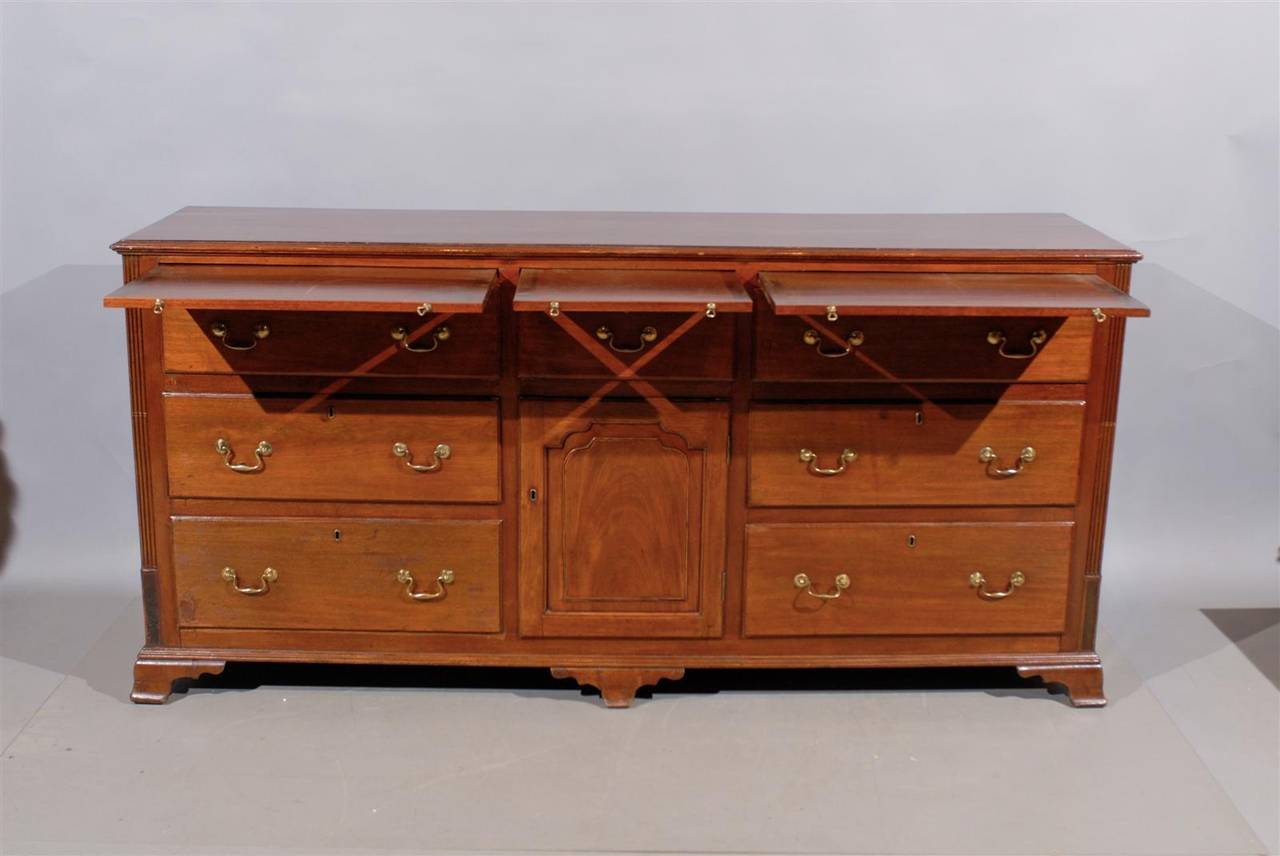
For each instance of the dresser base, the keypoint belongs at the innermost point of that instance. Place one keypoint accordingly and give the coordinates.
(618, 687)
(618, 679)
(1083, 683)
(153, 677)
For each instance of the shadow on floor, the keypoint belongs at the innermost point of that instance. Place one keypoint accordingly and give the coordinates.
(1256, 632)
(240, 676)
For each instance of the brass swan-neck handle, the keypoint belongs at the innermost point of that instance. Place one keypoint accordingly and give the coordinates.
(979, 582)
(808, 456)
(443, 579)
(802, 581)
(988, 456)
(439, 455)
(438, 335)
(269, 576)
(219, 331)
(648, 336)
(263, 450)
(1000, 340)
(813, 339)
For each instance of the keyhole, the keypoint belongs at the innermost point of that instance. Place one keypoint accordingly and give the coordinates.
(919, 417)
(533, 494)
(329, 413)
(911, 540)
(337, 534)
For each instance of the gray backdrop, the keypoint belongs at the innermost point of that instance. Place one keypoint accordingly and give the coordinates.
(1156, 123)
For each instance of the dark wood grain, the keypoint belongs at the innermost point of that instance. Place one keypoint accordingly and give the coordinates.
(922, 349)
(337, 574)
(332, 343)
(902, 460)
(338, 288)
(642, 553)
(948, 294)
(629, 290)
(588, 233)
(333, 448)
(626, 534)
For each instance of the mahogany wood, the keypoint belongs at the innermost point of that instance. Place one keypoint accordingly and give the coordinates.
(618, 686)
(906, 578)
(1083, 683)
(946, 294)
(337, 574)
(314, 289)
(671, 509)
(915, 455)
(623, 527)
(629, 291)
(703, 351)
(333, 344)
(336, 448)
(922, 349)
(573, 234)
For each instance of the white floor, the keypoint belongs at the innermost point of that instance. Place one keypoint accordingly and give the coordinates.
(1183, 760)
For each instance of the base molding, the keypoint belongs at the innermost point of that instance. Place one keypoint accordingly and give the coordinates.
(618, 687)
(1083, 682)
(153, 677)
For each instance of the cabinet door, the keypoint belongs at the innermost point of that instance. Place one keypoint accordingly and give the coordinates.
(623, 516)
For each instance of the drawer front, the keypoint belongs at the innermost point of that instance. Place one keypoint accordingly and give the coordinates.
(330, 343)
(826, 454)
(905, 578)
(924, 349)
(337, 574)
(343, 449)
(703, 351)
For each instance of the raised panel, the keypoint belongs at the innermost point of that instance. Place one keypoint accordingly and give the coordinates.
(626, 534)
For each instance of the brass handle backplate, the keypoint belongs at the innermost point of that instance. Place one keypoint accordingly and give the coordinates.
(988, 456)
(439, 455)
(802, 581)
(219, 330)
(979, 582)
(814, 339)
(263, 450)
(808, 456)
(269, 576)
(998, 338)
(438, 335)
(648, 336)
(443, 579)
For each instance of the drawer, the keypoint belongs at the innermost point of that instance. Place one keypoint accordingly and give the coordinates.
(906, 578)
(337, 574)
(1004, 349)
(830, 454)
(336, 449)
(703, 351)
(213, 341)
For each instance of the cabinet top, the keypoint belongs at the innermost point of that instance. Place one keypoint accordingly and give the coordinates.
(626, 234)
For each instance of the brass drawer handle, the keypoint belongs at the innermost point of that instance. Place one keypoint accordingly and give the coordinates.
(814, 339)
(219, 330)
(444, 579)
(440, 334)
(439, 455)
(808, 456)
(979, 582)
(269, 576)
(998, 338)
(262, 451)
(988, 456)
(802, 581)
(648, 336)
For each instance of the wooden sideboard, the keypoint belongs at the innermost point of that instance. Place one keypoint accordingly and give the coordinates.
(620, 445)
